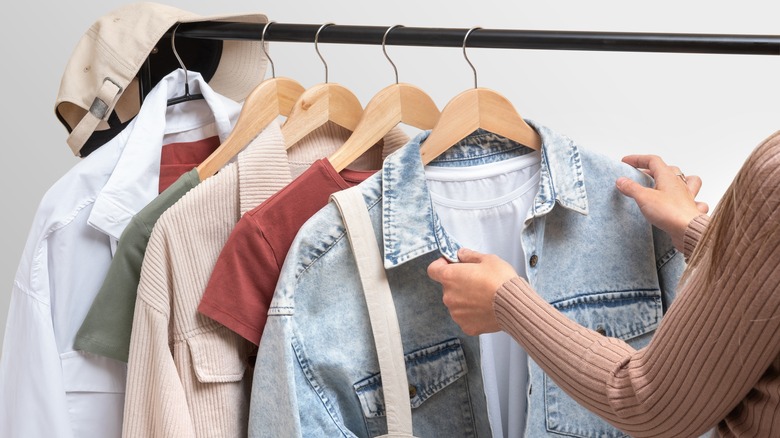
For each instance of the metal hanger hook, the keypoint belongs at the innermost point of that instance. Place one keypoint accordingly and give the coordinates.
(465, 39)
(317, 48)
(181, 63)
(384, 49)
(265, 52)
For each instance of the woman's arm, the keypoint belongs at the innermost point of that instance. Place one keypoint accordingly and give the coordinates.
(709, 351)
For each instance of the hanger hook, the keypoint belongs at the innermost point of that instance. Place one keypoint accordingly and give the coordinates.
(265, 52)
(317, 48)
(384, 49)
(181, 63)
(465, 39)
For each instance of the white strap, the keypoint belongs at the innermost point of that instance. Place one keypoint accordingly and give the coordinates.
(381, 310)
(101, 108)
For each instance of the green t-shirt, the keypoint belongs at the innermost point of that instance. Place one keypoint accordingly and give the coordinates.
(106, 329)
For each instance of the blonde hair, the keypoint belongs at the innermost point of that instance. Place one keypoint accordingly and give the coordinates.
(752, 196)
(710, 250)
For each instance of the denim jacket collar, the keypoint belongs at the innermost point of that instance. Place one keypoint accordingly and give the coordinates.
(410, 226)
(562, 179)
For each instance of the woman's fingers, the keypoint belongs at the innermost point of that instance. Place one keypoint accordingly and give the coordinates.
(694, 184)
(652, 164)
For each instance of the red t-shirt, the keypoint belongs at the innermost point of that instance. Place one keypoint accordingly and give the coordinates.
(176, 159)
(244, 278)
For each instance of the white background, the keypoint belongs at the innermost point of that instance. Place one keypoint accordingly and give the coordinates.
(704, 113)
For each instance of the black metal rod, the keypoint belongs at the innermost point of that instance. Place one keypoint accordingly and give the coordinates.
(493, 38)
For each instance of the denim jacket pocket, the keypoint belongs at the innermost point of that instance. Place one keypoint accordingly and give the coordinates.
(630, 315)
(216, 356)
(434, 371)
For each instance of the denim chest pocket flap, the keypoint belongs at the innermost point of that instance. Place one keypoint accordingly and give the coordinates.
(216, 356)
(429, 371)
(629, 315)
(624, 314)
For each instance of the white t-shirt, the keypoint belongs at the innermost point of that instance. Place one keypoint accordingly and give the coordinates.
(484, 208)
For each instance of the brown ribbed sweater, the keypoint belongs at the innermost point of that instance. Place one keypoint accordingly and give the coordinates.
(714, 358)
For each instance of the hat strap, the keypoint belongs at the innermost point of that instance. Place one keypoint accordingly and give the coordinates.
(100, 109)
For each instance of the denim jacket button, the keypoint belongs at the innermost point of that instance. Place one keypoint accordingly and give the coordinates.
(534, 260)
(412, 391)
(600, 330)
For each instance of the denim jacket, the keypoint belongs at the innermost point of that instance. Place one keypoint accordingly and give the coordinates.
(590, 253)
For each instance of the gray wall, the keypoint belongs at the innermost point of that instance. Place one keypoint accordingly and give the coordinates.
(702, 112)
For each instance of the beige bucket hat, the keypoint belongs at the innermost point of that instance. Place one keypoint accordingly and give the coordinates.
(99, 88)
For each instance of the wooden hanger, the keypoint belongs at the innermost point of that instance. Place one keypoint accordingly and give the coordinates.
(268, 100)
(473, 109)
(320, 104)
(392, 105)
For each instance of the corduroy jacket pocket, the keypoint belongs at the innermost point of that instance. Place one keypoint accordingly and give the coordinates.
(217, 356)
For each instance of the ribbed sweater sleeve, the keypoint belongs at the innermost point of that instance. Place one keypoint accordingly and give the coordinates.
(719, 340)
(693, 234)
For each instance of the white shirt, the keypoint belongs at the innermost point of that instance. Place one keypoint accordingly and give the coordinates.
(47, 389)
(484, 208)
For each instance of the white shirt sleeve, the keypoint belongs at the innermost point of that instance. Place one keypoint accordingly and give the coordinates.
(46, 388)
(32, 396)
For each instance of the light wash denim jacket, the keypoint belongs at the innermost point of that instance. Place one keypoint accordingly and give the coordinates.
(595, 258)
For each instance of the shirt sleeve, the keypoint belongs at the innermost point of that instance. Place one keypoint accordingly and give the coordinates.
(243, 281)
(106, 329)
(48, 389)
(31, 385)
(284, 402)
(716, 342)
(274, 407)
(155, 401)
(693, 234)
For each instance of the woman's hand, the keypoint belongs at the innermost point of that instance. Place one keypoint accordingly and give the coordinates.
(469, 288)
(671, 204)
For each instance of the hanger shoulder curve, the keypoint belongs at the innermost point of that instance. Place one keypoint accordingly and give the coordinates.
(459, 118)
(345, 109)
(288, 91)
(499, 116)
(473, 109)
(394, 104)
(318, 105)
(417, 107)
(269, 99)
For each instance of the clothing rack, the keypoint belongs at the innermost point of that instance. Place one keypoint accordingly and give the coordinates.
(483, 38)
